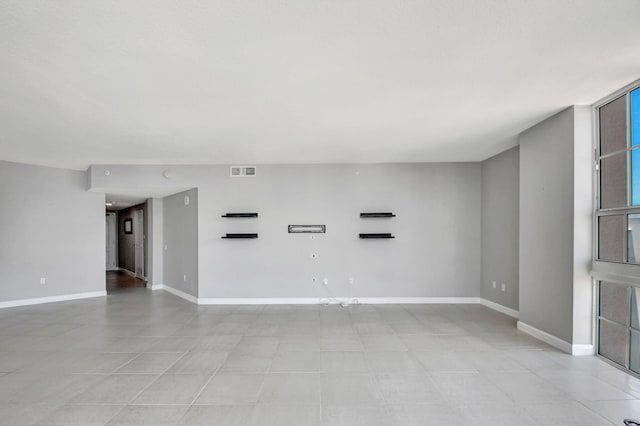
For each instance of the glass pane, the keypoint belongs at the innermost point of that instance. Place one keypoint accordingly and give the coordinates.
(612, 233)
(635, 177)
(634, 355)
(635, 117)
(635, 307)
(613, 181)
(613, 342)
(614, 302)
(613, 126)
(633, 238)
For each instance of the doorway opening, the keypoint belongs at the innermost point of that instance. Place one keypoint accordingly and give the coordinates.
(152, 240)
(126, 242)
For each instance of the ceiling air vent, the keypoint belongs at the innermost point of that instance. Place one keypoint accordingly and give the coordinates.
(242, 171)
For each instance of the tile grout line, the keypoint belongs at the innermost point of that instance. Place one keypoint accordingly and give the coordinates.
(214, 373)
(195, 398)
(125, 363)
(582, 403)
(156, 379)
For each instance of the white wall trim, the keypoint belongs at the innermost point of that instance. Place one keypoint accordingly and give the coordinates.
(583, 350)
(259, 301)
(180, 293)
(324, 300)
(545, 337)
(155, 286)
(416, 300)
(50, 299)
(500, 308)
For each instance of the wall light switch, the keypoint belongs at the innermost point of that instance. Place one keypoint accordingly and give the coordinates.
(43, 280)
(503, 287)
(494, 284)
(184, 277)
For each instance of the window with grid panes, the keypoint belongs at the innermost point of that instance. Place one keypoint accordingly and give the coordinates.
(618, 226)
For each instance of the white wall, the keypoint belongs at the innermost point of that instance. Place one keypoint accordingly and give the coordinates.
(555, 226)
(500, 228)
(155, 253)
(436, 252)
(583, 190)
(50, 227)
(180, 238)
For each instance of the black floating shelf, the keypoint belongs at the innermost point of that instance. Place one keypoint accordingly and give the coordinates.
(240, 215)
(377, 215)
(240, 236)
(371, 236)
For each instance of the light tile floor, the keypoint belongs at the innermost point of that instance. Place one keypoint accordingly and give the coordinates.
(141, 357)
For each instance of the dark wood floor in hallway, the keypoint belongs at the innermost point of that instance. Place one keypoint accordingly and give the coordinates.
(119, 281)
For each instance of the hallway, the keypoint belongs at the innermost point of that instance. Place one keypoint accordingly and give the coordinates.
(119, 281)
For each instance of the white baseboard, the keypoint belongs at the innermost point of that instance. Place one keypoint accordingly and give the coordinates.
(500, 308)
(545, 337)
(416, 300)
(50, 299)
(258, 301)
(583, 350)
(180, 293)
(324, 300)
(155, 286)
(573, 349)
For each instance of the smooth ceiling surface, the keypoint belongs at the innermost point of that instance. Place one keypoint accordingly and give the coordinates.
(298, 81)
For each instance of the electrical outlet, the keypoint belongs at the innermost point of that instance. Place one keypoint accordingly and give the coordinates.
(43, 280)
(325, 281)
(494, 284)
(314, 255)
(503, 287)
(351, 280)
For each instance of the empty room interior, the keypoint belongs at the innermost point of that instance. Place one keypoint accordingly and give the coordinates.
(285, 212)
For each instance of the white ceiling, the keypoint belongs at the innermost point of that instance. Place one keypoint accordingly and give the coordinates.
(127, 197)
(298, 81)
(119, 201)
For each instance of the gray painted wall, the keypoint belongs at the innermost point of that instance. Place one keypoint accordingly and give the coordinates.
(437, 229)
(436, 252)
(500, 228)
(546, 225)
(50, 227)
(180, 237)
